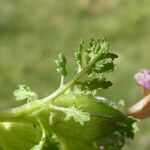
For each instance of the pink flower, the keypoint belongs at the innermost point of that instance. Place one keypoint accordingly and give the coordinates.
(143, 78)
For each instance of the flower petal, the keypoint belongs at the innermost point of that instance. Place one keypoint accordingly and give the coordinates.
(143, 78)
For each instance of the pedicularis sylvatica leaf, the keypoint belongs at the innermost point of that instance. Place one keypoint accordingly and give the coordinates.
(71, 118)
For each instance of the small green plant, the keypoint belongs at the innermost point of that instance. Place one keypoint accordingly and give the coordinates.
(71, 118)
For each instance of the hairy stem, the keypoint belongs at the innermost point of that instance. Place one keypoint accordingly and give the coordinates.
(30, 107)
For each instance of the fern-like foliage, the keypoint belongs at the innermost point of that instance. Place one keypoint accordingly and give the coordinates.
(71, 114)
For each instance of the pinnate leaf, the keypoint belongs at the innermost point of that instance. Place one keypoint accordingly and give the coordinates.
(24, 93)
(61, 64)
(77, 114)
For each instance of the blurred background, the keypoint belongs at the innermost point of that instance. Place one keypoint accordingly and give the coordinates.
(32, 33)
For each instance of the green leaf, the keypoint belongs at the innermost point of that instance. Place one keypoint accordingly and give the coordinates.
(61, 64)
(78, 55)
(104, 67)
(70, 112)
(91, 87)
(107, 127)
(135, 126)
(108, 55)
(97, 61)
(77, 114)
(18, 136)
(121, 103)
(24, 93)
(41, 144)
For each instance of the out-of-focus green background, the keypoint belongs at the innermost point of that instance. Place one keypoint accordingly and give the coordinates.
(33, 32)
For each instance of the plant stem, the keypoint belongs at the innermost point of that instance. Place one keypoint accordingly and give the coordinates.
(62, 81)
(30, 107)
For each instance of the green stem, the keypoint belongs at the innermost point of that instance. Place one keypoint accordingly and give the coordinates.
(62, 81)
(30, 107)
(43, 130)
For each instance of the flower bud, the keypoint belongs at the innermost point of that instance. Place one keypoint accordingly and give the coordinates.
(143, 80)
